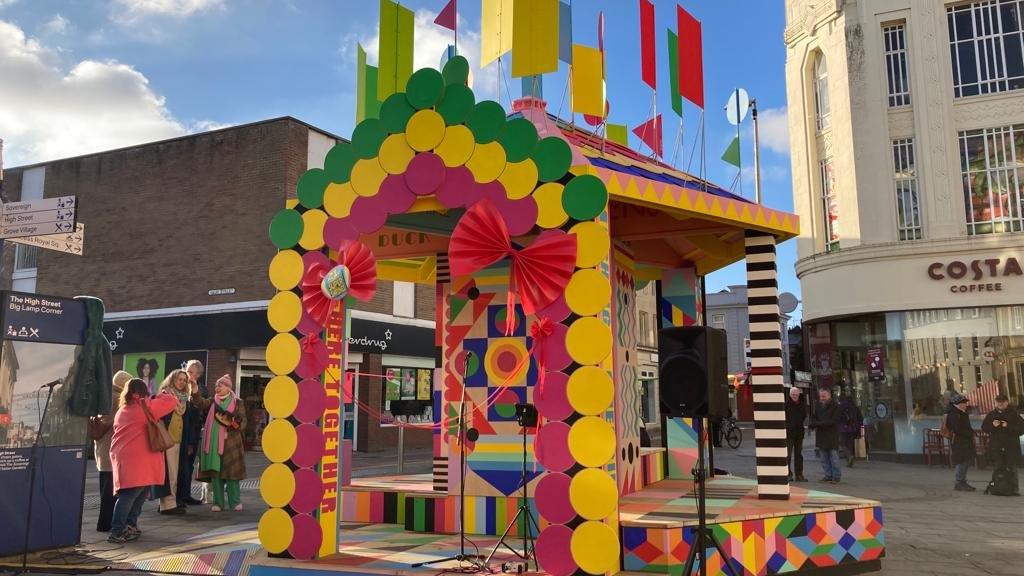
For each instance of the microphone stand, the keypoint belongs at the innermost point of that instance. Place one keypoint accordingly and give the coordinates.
(32, 477)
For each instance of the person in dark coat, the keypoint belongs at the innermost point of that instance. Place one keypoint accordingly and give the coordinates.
(1004, 427)
(825, 422)
(190, 446)
(850, 422)
(796, 414)
(180, 424)
(959, 424)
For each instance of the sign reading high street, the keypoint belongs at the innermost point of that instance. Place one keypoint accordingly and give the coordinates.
(39, 217)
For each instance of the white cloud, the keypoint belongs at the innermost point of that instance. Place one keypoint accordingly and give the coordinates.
(132, 11)
(57, 25)
(5, 3)
(774, 130)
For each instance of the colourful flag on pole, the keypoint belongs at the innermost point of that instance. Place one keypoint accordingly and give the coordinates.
(650, 133)
(618, 133)
(587, 81)
(648, 69)
(565, 32)
(446, 18)
(495, 29)
(534, 37)
(732, 153)
(367, 104)
(673, 73)
(394, 49)
(691, 59)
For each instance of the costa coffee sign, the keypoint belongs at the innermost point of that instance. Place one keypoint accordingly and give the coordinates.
(975, 275)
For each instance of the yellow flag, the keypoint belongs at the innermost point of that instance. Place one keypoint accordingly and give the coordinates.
(587, 80)
(535, 37)
(495, 29)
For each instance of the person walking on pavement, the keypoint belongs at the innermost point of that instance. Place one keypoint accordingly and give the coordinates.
(222, 453)
(825, 422)
(1004, 427)
(796, 414)
(101, 428)
(959, 425)
(850, 423)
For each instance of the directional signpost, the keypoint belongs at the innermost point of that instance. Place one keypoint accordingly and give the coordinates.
(72, 243)
(39, 217)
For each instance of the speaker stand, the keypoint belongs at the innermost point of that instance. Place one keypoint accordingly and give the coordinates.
(704, 537)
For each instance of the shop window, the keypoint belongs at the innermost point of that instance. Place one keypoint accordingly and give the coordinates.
(411, 387)
(1018, 318)
(896, 75)
(822, 108)
(992, 170)
(647, 336)
(908, 206)
(829, 205)
(986, 47)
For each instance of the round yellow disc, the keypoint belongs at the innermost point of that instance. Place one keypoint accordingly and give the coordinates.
(589, 340)
(313, 229)
(281, 396)
(284, 311)
(283, 354)
(367, 176)
(592, 493)
(595, 547)
(590, 390)
(286, 270)
(588, 292)
(550, 213)
(425, 130)
(457, 146)
(277, 485)
(519, 179)
(279, 440)
(592, 441)
(487, 162)
(395, 154)
(592, 243)
(275, 530)
(338, 199)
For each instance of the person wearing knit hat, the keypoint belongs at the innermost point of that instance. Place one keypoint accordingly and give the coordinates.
(100, 429)
(221, 451)
(959, 424)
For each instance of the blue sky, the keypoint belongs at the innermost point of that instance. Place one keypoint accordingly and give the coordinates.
(85, 76)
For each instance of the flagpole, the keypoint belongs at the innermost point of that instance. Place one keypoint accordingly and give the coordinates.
(757, 152)
(739, 146)
(455, 24)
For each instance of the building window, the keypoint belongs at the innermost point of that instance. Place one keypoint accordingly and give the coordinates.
(26, 257)
(404, 299)
(986, 46)
(829, 205)
(896, 65)
(822, 109)
(718, 321)
(908, 206)
(992, 167)
(1018, 317)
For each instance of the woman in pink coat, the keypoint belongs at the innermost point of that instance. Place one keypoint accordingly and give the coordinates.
(136, 467)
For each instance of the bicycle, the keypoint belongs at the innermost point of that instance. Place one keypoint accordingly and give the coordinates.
(731, 432)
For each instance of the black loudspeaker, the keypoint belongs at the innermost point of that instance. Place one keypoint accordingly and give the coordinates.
(692, 372)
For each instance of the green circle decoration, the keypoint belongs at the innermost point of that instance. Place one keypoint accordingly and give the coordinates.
(519, 139)
(339, 162)
(487, 121)
(367, 138)
(286, 228)
(424, 88)
(456, 71)
(552, 157)
(311, 186)
(457, 104)
(395, 113)
(584, 197)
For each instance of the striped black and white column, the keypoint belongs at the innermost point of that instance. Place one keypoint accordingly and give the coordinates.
(766, 367)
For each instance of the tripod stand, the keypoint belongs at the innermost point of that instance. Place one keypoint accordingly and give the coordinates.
(526, 416)
(32, 473)
(704, 538)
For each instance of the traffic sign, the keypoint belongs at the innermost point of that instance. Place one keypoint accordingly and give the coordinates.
(39, 217)
(73, 243)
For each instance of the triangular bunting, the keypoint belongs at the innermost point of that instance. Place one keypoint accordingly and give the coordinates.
(650, 134)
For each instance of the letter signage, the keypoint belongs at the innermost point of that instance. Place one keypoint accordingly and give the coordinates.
(978, 275)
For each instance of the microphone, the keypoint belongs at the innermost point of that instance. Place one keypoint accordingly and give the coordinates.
(52, 384)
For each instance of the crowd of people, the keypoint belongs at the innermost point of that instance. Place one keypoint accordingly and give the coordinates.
(152, 445)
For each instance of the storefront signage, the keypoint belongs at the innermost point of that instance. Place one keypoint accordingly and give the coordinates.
(37, 318)
(398, 243)
(978, 275)
(876, 363)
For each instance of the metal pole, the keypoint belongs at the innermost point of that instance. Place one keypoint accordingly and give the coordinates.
(401, 447)
(757, 153)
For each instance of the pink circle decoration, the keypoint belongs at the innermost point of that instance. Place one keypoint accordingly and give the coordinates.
(309, 490)
(458, 186)
(557, 310)
(556, 355)
(551, 400)
(551, 446)
(307, 325)
(395, 195)
(552, 550)
(314, 257)
(309, 445)
(494, 191)
(425, 173)
(520, 215)
(368, 214)
(552, 497)
(311, 401)
(306, 538)
(336, 231)
(314, 356)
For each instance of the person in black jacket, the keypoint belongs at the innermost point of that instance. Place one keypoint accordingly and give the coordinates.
(796, 413)
(825, 422)
(959, 423)
(1004, 427)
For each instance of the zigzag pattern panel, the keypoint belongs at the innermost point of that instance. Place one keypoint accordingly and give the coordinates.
(629, 470)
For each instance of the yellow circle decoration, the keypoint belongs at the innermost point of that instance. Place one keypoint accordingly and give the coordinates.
(592, 493)
(457, 146)
(519, 179)
(284, 311)
(277, 485)
(487, 162)
(286, 270)
(313, 229)
(595, 547)
(550, 213)
(589, 340)
(283, 354)
(395, 154)
(593, 243)
(275, 530)
(279, 440)
(338, 199)
(588, 292)
(424, 130)
(367, 176)
(281, 396)
(592, 441)
(590, 390)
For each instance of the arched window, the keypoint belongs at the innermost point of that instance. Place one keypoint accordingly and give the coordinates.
(820, 82)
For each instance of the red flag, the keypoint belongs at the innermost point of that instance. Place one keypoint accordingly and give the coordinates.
(691, 59)
(446, 18)
(647, 63)
(650, 133)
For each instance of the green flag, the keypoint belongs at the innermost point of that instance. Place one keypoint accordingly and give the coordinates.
(367, 104)
(618, 133)
(732, 153)
(673, 73)
(394, 49)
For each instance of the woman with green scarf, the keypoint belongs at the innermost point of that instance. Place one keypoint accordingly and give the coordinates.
(221, 452)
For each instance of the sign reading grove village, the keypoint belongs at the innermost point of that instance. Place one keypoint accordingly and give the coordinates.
(971, 276)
